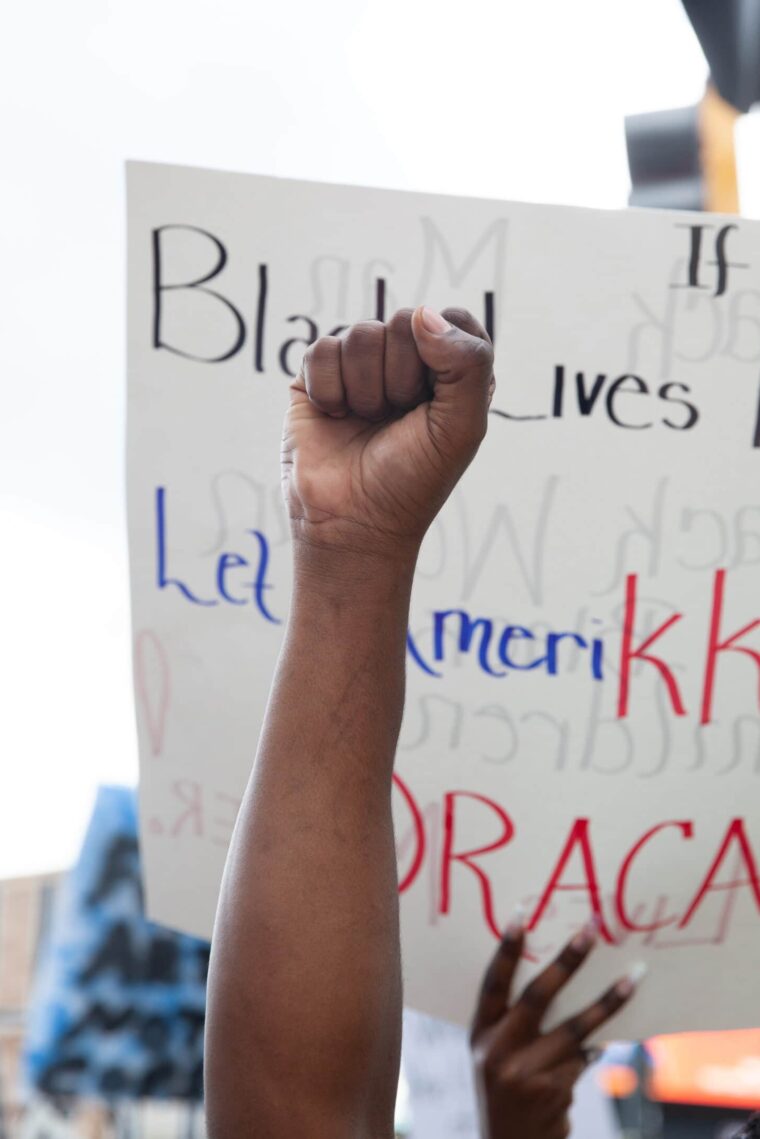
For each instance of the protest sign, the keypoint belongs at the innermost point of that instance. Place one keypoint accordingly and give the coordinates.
(437, 1067)
(582, 730)
(118, 1007)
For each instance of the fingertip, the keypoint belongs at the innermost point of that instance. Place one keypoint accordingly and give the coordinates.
(515, 928)
(586, 937)
(330, 410)
(429, 322)
(631, 982)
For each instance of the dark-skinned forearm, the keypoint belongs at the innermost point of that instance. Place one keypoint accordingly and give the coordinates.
(307, 934)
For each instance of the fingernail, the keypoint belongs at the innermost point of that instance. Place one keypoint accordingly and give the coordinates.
(433, 321)
(586, 936)
(516, 925)
(636, 975)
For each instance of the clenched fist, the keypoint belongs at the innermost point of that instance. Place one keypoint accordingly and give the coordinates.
(382, 423)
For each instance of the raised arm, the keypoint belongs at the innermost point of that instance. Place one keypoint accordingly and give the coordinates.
(304, 1010)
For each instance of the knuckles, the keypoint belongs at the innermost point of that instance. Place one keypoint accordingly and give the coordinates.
(509, 1077)
(323, 353)
(400, 324)
(348, 372)
(364, 339)
(482, 354)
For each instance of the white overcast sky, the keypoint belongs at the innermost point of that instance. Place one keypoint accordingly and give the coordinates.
(494, 97)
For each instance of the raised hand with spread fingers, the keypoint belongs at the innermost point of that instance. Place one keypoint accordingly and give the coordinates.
(525, 1076)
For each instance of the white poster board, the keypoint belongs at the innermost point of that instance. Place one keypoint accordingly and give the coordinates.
(437, 1066)
(582, 727)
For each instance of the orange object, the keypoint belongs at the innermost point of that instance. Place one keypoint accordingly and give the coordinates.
(617, 1080)
(718, 1069)
(717, 121)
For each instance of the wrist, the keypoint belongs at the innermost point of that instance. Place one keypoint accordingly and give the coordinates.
(348, 579)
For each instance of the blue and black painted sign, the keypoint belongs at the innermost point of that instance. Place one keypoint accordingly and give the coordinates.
(119, 1005)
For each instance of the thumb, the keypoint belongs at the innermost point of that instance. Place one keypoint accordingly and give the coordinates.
(459, 357)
